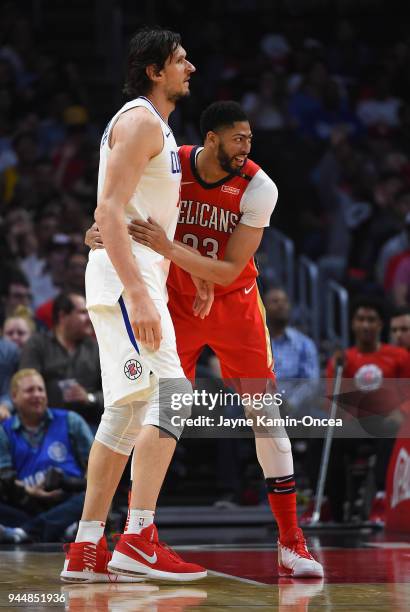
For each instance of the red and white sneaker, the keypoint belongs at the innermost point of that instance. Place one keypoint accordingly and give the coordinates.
(294, 559)
(145, 556)
(87, 562)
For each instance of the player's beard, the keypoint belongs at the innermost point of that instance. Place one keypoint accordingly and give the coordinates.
(174, 96)
(226, 162)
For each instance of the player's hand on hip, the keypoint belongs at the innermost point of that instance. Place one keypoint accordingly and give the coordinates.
(150, 234)
(146, 323)
(93, 238)
(204, 297)
(201, 287)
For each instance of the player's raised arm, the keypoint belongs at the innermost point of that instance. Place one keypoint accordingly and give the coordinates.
(136, 138)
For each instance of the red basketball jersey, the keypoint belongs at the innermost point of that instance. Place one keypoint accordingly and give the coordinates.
(208, 215)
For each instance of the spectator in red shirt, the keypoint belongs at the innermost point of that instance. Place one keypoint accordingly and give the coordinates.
(379, 406)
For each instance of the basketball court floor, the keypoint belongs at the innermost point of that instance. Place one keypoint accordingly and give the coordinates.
(364, 570)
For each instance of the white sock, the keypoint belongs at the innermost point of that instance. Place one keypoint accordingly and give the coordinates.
(138, 520)
(90, 531)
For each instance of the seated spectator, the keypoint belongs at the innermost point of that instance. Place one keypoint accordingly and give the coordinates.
(25, 145)
(368, 362)
(401, 281)
(46, 281)
(67, 357)
(19, 326)
(33, 265)
(264, 107)
(73, 281)
(295, 354)
(43, 456)
(9, 361)
(335, 112)
(383, 221)
(16, 293)
(70, 158)
(379, 108)
(308, 98)
(391, 270)
(400, 328)
(390, 253)
(20, 238)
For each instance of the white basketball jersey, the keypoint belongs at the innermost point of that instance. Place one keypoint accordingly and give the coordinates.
(157, 195)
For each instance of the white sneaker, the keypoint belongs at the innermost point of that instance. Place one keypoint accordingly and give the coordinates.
(294, 559)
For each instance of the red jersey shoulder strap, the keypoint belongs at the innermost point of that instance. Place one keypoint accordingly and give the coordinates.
(249, 170)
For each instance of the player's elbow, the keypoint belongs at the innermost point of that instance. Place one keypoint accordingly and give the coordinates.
(225, 280)
(227, 277)
(100, 214)
(103, 213)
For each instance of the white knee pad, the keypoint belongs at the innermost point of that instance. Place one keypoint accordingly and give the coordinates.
(120, 426)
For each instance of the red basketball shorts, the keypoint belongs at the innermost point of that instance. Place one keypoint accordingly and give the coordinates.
(235, 330)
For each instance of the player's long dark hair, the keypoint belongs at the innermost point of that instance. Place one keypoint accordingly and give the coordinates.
(148, 46)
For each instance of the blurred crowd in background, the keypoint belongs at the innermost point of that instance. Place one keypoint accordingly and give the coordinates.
(328, 98)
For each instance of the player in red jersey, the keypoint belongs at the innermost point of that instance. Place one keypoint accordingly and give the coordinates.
(226, 201)
(380, 407)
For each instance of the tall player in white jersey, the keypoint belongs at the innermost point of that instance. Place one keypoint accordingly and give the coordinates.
(139, 176)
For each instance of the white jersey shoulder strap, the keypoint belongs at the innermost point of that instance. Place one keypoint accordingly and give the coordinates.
(141, 101)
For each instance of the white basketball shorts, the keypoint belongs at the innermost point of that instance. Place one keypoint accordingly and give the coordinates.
(129, 370)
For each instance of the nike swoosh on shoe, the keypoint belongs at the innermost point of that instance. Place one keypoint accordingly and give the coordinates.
(150, 559)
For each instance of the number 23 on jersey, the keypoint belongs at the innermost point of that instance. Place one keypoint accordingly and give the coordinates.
(210, 245)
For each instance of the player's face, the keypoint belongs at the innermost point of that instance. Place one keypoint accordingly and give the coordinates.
(177, 72)
(30, 396)
(234, 145)
(400, 331)
(366, 325)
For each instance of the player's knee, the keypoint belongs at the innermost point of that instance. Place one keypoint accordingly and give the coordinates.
(119, 427)
(170, 406)
(185, 388)
(175, 395)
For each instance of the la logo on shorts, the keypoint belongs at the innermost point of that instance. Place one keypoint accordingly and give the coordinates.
(132, 369)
